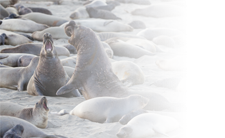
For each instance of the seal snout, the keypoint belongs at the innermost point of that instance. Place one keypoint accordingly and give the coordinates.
(44, 103)
(48, 42)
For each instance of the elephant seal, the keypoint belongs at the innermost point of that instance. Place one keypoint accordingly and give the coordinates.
(160, 10)
(22, 9)
(19, 76)
(38, 115)
(111, 109)
(140, 2)
(101, 25)
(164, 41)
(40, 10)
(80, 13)
(69, 62)
(177, 63)
(49, 68)
(19, 25)
(12, 16)
(41, 18)
(148, 125)
(95, 79)
(2, 38)
(136, 24)
(182, 86)
(4, 13)
(29, 129)
(110, 6)
(179, 39)
(121, 48)
(103, 14)
(71, 48)
(34, 49)
(12, 10)
(7, 3)
(15, 132)
(24, 60)
(14, 38)
(151, 33)
(128, 72)
(57, 33)
(69, 70)
(11, 59)
(126, 118)
(95, 3)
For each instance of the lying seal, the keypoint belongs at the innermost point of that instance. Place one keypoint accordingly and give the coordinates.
(11, 59)
(164, 41)
(29, 129)
(141, 2)
(57, 33)
(151, 33)
(160, 10)
(71, 48)
(19, 25)
(126, 118)
(69, 62)
(136, 24)
(12, 10)
(12, 16)
(15, 132)
(95, 79)
(17, 76)
(38, 115)
(7, 3)
(48, 69)
(2, 38)
(110, 5)
(148, 125)
(40, 10)
(80, 13)
(69, 70)
(24, 61)
(34, 49)
(111, 109)
(103, 14)
(128, 72)
(22, 9)
(178, 63)
(182, 86)
(4, 13)
(41, 18)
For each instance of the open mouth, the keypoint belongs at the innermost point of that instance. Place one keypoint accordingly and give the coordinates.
(48, 46)
(45, 104)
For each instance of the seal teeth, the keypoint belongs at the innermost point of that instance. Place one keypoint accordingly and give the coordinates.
(48, 46)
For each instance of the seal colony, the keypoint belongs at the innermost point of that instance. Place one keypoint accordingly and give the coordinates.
(94, 68)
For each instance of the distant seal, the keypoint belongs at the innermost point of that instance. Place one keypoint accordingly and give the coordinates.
(151, 33)
(69, 70)
(34, 49)
(179, 39)
(12, 16)
(29, 129)
(19, 76)
(3, 36)
(160, 10)
(22, 9)
(126, 118)
(95, 79)
(24, 60)
(4, 13)
(121, 48)
(110, 5)
(174, 64)
(95, 3)
(41, 18)
(19, 25)
(136, 24)
(80, 13)
(70, 61)
(182, 86)
(128, 72)
(103, 14)
(12, 10)
(15, 132)
(111, 109)
(71, 48)
(108, 35)
(57, 33)
(40, 10)
(38, 115)
(141, 2)
(164, 41)
(148, 125)
(49, 75)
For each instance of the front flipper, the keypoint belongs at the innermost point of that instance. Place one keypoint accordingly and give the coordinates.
(159, 132)
(38, 87)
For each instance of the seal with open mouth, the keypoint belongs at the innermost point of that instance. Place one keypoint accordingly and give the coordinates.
(38, 115)
(49, 75)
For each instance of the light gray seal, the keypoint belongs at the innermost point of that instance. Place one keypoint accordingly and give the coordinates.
(4, 13)
(24, 61)
(103, 14)
(15, 132)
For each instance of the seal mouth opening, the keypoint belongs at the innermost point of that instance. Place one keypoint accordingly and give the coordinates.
(48, 46)
(45, 104)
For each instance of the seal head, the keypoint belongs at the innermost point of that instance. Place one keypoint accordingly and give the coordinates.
(15, 132)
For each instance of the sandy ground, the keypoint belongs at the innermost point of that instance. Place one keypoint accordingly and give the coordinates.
(72, 126)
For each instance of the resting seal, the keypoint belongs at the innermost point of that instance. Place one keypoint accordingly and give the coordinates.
(40, 10)
(15, 132)
(80, 13)
(93, 71)
(49, 75)
(22, 9)
(103, 14)
(110, 109)
(4, 13)
(38, 115)
(2, 38)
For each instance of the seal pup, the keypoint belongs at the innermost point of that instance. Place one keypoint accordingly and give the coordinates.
(151, 33)
(38, 115)
(40, 10)
(111, 109)
(148, 125)
(160, 10)
(128, 72)
(30, 130)
(15, 132)
(17, 78)
(97, 80)
(19, 25)
(177, 63)
(49, 68)
(4, 13)
(103, 14)
(2, 38)
(126, 118)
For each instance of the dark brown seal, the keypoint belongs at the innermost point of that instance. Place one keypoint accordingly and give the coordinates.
(49, 75)
(93, 72)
